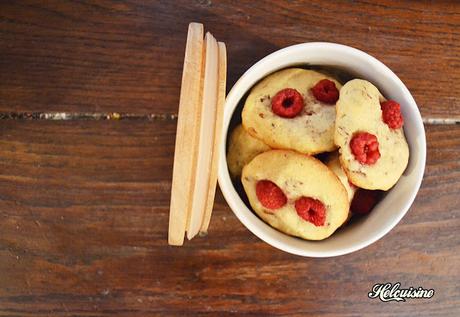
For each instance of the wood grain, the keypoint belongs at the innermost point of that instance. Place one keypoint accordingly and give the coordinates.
(84, 204)
(83, 231)
(127, 56)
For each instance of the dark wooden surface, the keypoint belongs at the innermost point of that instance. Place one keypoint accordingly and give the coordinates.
(84, 203)
(127, 56)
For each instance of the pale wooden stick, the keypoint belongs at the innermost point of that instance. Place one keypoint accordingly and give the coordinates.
(206, 139)
(186, 142)
(217, 135)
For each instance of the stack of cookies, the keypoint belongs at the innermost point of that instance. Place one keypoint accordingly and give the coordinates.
(290, 120)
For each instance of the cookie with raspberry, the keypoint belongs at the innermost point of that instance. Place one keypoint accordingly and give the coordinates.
(242, 148)
(296, 194)
(293, 109)
(373, 149)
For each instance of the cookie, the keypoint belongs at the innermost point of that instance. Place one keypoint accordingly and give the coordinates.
(333, 163)
(373, 152)
(242, 148)
(285, 112)
(296, 194)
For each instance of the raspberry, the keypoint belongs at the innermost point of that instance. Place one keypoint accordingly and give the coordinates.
(365, 148)
(270, 195)
(391, 114)
(311, 210)
(364, 200)
(287, 103)
(326, 91)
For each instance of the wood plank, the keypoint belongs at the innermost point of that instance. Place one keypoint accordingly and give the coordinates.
(222, 81)
(127, 57)
(83, 231)
(205, 123)
(187, 135)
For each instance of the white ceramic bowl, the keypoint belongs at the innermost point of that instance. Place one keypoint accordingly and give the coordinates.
(398, 200)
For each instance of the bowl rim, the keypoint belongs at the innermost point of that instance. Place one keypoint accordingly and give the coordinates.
(242, 86)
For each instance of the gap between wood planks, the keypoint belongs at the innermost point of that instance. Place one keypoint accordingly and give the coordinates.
(95, 116)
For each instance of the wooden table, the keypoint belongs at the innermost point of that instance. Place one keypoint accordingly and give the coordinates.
(84, 194)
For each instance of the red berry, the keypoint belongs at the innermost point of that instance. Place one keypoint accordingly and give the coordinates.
(326, 91)
(364, 200)
(365, 148)
(287, 103)
(391, 114)
(270, 195)
(311, 210)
